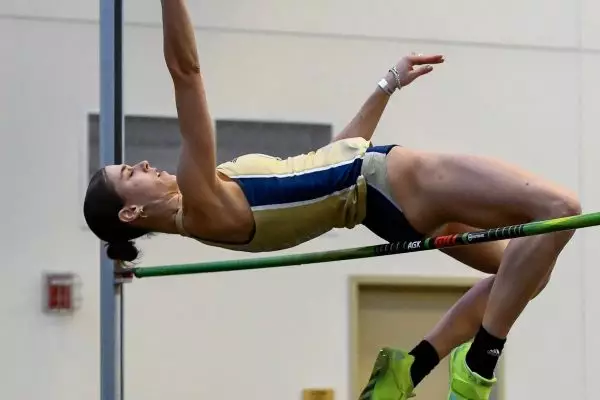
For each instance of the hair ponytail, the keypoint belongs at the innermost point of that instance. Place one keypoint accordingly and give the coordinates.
(122, 251)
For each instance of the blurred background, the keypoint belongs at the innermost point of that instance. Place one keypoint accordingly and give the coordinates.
(520, 83)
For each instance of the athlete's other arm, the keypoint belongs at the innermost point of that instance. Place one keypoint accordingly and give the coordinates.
(364, 123)
(198, 151)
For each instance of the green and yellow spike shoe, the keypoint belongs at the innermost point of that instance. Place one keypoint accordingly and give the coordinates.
(464, 383)
(390, 379)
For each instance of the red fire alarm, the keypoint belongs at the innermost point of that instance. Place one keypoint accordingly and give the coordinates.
(60, 290)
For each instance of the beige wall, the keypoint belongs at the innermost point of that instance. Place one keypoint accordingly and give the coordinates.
(519, 84)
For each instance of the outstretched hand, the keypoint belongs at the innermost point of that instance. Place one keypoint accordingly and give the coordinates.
(413, 66)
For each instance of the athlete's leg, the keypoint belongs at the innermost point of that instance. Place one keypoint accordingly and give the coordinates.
(473, 202)
(436, 188)
(461, 322)
(487, 193)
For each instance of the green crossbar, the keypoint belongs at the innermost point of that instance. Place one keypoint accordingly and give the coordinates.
(430, 243)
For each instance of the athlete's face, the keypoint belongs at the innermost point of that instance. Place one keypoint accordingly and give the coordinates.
(140, 184)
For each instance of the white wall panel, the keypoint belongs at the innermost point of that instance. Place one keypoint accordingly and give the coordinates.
(553, 23)
(187, 336)
(590, 29)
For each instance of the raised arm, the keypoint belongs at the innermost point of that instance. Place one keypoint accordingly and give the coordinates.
(195, 123)
(365, 121)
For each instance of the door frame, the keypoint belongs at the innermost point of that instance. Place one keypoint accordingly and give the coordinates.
(356, 282)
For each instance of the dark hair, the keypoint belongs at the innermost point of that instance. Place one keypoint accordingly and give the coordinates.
(101, 211)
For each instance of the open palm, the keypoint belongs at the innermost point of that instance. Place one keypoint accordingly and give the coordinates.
(413, 66)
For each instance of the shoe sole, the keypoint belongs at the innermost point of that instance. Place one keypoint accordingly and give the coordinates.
(382, 364)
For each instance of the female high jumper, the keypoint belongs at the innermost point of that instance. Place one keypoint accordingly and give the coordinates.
(258, 203)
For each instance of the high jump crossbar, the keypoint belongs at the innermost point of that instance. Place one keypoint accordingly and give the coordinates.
(430, 243)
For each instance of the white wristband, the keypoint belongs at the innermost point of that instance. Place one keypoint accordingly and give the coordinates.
(383, 85)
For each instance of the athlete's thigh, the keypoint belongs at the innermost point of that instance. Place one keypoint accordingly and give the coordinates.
(437, 188)
(484, 257)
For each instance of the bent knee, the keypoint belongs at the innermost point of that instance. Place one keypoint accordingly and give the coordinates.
(563, 205)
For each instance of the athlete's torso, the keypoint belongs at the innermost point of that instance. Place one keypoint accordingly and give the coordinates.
(297, 199)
